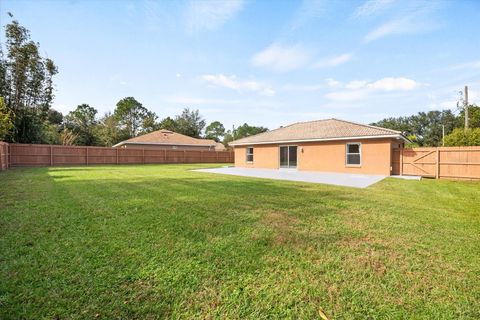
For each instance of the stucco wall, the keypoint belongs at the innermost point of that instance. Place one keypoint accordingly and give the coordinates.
(264, 156)
(324, 156)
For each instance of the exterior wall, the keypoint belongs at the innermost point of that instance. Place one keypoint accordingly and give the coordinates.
(326, 156)
(163, 147)
(264, 156)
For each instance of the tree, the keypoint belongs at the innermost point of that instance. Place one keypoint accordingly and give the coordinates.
(242, 131)
(227, 138)
(473, 117)
(149, 123)
(6, 123)
(55, 117)
(107, 131)
(190, 123)
(168, 124)
(215, 131)
(67, 137)
(132, 117)
(461, 137)
(26, 84)
(246, 130)
(81, 121)
(426, 128)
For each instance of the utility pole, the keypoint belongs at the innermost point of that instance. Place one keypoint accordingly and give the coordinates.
(465, 101)
(443, 135)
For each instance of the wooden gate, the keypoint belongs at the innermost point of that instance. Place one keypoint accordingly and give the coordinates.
(442, 162)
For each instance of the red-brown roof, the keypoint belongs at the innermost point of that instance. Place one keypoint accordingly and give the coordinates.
(167, 137)
(328, 129)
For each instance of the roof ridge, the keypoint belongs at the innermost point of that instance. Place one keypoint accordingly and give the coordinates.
(268, 131)
(367, 125)
(160, 131)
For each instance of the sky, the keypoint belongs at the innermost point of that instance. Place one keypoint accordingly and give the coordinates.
(266, 63)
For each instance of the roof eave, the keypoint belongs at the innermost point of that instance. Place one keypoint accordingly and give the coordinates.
(397, 136)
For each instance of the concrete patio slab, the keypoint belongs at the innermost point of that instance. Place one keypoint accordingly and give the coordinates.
(417, 178)
(339, 179)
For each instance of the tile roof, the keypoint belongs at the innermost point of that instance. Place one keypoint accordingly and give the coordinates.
(327, 129)
(168, 137)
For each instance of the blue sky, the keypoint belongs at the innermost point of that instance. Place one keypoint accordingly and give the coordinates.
(266, 63)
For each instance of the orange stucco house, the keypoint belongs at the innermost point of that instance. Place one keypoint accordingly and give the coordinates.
(330, 145)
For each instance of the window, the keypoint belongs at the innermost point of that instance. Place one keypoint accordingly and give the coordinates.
(250, 154)
(354, 154)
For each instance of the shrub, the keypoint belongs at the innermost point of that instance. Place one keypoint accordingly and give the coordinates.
(461, 137)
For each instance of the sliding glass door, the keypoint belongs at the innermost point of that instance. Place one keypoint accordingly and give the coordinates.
(288, 156)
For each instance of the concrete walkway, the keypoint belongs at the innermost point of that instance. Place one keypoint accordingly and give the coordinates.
(339, 179)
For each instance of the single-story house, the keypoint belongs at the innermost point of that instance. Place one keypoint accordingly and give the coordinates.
(166, 139)
(330, 145)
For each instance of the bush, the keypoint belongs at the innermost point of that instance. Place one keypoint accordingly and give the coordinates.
(461, 137)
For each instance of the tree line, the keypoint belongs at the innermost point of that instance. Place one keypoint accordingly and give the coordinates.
(27, 116)
(435, 128)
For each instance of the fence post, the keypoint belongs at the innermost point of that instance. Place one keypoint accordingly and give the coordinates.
(51, 155)
(116, 154)
(9, 158)
(401, 161)
(437, 169)
(143, 155)
(216, 154)
(184, 156)
(165, 155)
(201, 156)
(86, 156)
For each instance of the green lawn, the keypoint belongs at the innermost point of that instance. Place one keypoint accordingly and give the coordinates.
(162, 241)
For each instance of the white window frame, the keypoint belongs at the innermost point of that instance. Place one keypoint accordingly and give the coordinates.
(249, 154)
(351, 153)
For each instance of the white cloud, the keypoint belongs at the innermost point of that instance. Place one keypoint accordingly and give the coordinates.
(333, 83)
(282, 58)
(232, 82)
(411, 18)
(467, 65)
(309, 10)
(356, 84)
(210, 14)
(390, 84)
(303, 87)
(360, 89)
(398, 26)
(334, 61)
(371, 7)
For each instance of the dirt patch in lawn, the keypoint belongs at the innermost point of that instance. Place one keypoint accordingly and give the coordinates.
(282, 225)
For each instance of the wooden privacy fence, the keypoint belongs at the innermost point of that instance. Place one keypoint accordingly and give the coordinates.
(442, 162)
(32, 155)
(3, 156)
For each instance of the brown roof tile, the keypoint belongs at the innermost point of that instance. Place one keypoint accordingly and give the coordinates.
(317, 130)
(169, 138)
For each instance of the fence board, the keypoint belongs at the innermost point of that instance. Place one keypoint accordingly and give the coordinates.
(29, 155)
(441, 162)
(4, 156)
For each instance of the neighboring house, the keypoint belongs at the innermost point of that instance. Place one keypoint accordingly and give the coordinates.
(166, 139)
(330, 145)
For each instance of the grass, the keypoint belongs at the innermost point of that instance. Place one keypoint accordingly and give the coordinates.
(162, 241)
